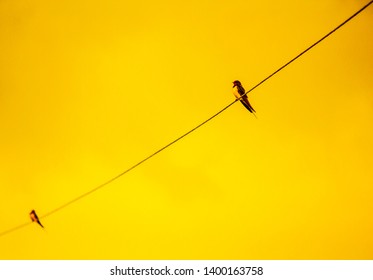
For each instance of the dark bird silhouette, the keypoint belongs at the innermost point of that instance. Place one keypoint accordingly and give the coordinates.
(35, 218)
(239, 91)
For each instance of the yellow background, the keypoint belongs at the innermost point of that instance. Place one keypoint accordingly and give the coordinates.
(89, 88)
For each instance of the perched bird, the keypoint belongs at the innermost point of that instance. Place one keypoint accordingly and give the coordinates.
(238, 91)
(35, 218)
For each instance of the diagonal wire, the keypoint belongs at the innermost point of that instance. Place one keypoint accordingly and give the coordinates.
(190, 131)
(134, 166)
(310, 47)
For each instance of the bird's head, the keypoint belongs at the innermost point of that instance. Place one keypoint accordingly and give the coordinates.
(236, 83)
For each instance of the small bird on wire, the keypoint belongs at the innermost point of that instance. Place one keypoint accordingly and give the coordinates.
(35, 218)
(239, 92)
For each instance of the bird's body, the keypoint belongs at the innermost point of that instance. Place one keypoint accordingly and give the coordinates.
(35, 218)
(239, 92)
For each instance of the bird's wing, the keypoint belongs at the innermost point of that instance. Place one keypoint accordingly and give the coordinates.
(248, 107)
(241, 90)
(246, 103)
